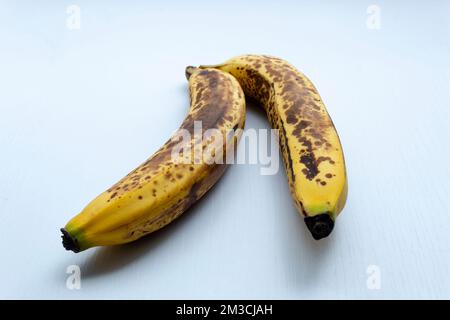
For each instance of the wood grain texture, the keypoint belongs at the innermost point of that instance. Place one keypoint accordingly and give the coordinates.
(70, 100)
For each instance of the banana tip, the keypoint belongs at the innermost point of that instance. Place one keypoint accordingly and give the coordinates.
(69, 242)
(320, 225)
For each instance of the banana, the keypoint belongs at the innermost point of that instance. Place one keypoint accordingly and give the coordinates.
(311, 149)
(169, 182)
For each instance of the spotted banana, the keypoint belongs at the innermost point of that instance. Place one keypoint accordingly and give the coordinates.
(169, 182)
(309, 143)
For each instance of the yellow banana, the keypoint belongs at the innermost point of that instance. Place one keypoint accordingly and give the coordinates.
(169, 182)
(310, 145)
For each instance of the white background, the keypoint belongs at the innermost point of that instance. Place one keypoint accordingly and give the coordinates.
(80, 108)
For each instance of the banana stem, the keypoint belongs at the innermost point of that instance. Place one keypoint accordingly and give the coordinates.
(189, 71)
(320, 226)
(213, 66)
(69, 242)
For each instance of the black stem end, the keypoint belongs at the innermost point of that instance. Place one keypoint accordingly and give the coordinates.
(320, 225)
(69, 242)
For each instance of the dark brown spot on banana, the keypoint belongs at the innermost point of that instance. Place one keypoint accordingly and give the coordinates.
(321, 159)
(310, 170)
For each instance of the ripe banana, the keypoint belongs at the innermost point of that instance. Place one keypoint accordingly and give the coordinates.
(309, 143)
(168, 183)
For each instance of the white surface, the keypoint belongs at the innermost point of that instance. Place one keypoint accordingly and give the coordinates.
(81, 108)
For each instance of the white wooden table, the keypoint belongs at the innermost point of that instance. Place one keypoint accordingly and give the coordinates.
(79, 108)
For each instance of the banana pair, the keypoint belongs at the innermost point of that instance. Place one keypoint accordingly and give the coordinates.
(170, 181)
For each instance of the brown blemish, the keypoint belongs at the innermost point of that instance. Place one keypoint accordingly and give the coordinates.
(321, 159)
(299, 128)
(291, 118)
(311, 170)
